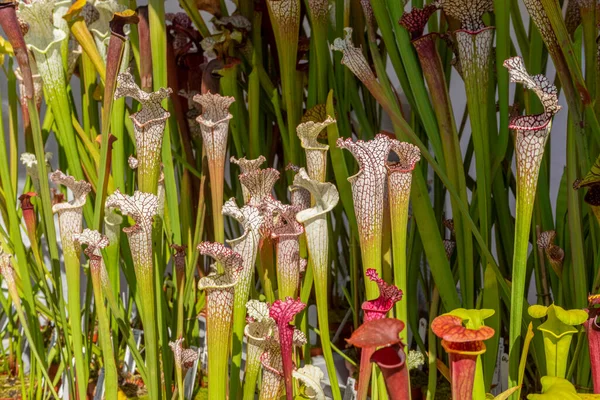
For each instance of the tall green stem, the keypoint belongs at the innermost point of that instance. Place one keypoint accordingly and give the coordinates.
(325, 197)
(247, 246)
(143, 207)
(399, 183)
(95, 242)
(474, 52)
(70, 225)
(526, 188)
(434, 75)
(219, 314)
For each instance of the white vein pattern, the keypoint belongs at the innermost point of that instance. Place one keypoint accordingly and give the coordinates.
(257, 331)
(112, 225)
(214, 124)
(70, 214)
(555, 254)
(184, 358)
(246, 166)
(286, 15)
(46, 31)
(95, 242)
(468, 12)
(314, 220)
(247, 247)
(299, 196)
(369, 184)
(542, 22)
(354, 59)
(6, 269)
(316, 152)
(400, 173)
(319, 10)
(285, 233)
(10, 277)
(220, 288)
(259, 184)
(531, 131)
(142, 207)
(149, 124)
(272, 378)
(474, 53)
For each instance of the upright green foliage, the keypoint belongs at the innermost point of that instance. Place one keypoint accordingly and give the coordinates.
(289, 83)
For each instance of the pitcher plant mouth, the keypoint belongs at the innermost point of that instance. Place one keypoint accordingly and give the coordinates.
(247, 246)
(557, 330)
(220, 289)
(161, 238)
(531, 134)
(391, 362)
(375, 309)
(283, 313)
(369, 187)
(463, 335)
(258, 331)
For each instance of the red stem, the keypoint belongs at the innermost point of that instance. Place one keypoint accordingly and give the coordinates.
(462, 369)
(364, 374)
(593, 333)
(391, 362)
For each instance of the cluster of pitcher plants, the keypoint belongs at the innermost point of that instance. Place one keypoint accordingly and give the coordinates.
(263, 198)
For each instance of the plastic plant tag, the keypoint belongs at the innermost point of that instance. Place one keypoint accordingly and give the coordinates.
(129, 364)
(190, 377)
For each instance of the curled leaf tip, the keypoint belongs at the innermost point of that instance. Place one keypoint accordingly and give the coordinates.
(25, 200)
(468, 12)
(539, 84)
(408, 155)
(248, 216)
(316, 152)
(231, 261)
(215, 108)
(325, 195)
(142, 207)
(257, 310)
(376, 333)
(451, 329)
(247, 165)
(151, 101)
(300, 197)
(184, 358)
(309, 131)
(546, 242)
(94, 240)
(369, 183)
(284, 311)
(80, 191)
(259, 184)
(353, 57)
(416, 20)
(388, 296)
